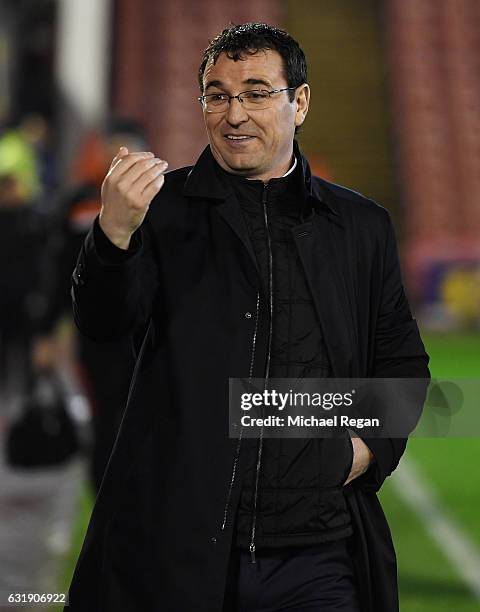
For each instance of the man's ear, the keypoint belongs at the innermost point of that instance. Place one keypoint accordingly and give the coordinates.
(302, 100)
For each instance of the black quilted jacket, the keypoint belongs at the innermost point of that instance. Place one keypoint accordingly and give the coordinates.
(300, 494)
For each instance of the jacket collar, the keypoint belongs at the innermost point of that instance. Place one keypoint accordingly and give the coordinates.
(202, 181)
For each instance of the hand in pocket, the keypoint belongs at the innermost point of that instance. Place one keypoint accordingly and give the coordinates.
(362, 458)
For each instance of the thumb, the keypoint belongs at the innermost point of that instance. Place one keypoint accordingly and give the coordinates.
(123, 151)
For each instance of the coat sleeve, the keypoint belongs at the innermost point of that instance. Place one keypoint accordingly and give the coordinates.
(113, 290)
(398, 353)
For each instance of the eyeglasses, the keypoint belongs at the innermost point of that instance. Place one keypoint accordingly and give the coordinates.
(254, 99)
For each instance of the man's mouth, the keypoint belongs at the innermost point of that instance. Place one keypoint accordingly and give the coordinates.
(237, 138)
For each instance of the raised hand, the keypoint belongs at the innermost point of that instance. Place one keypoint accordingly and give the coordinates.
(132, 182)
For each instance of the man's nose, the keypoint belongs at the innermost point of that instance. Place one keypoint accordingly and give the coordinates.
(236, 114)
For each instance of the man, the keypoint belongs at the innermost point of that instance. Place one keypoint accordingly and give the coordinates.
(242, 266)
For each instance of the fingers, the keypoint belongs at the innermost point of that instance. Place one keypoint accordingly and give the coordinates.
(150, 173)
(153, 188)
(124, 162)
(142, 172)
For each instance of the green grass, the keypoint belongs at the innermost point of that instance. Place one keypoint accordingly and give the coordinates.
(427, 581)
(454, 355)
(452, 464)
(452, 467)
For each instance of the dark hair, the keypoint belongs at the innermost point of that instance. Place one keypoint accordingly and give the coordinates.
(249, 38)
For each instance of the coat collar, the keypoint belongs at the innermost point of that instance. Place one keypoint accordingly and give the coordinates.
(202, 181)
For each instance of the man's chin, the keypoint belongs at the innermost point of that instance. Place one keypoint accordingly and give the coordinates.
(239, 164)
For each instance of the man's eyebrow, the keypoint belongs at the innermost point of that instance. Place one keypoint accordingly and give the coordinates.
(250, 81)
(214, 83)
(253, 81)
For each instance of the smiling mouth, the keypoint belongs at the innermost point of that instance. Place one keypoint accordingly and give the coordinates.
(238, 143)
(232, 138)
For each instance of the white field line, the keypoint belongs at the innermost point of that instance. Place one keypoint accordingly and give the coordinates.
(414, 490)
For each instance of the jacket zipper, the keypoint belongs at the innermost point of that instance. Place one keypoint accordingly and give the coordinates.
(237, 452)
(267, 368)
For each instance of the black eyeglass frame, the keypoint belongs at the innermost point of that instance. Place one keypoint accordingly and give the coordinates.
(202, 99)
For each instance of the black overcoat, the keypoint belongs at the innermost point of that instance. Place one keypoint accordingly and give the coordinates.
(184, 291)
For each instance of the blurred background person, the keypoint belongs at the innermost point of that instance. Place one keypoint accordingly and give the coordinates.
(22, 233)
(104, 369)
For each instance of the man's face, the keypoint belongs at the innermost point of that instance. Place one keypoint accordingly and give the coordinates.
(267, 151)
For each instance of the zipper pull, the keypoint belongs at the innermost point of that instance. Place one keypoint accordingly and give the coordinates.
(252, 552)
(264, 193)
